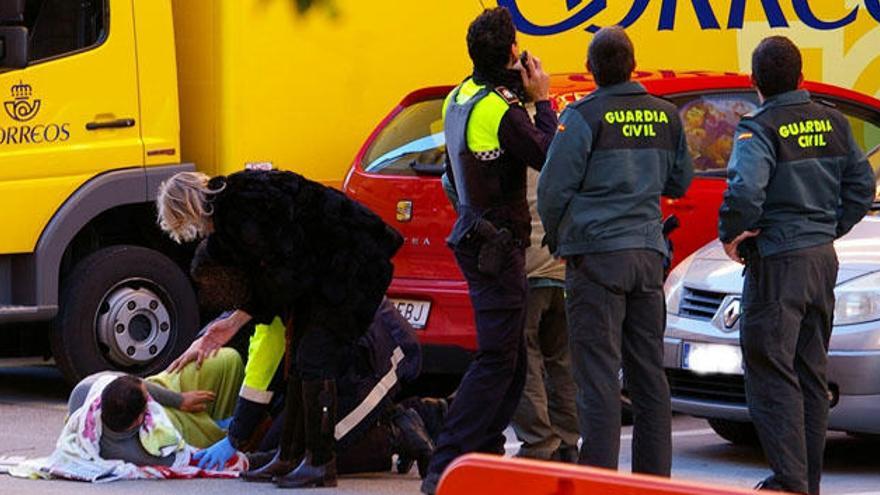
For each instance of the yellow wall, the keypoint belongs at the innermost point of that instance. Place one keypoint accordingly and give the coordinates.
(261, 83)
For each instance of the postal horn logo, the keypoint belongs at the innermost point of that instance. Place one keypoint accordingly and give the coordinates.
(22, 108)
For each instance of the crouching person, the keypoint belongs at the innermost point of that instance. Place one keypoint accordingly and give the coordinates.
(371, 427)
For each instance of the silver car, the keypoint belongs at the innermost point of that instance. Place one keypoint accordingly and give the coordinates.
(702, 354)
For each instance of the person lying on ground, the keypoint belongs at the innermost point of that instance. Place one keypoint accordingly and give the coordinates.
(195, 401)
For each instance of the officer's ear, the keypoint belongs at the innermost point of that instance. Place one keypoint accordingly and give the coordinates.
(801, 79)
(758, 89)
(589, 65)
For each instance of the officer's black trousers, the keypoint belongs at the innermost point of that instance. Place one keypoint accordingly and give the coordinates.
(616, 318)
(785, 330)
(491, 388)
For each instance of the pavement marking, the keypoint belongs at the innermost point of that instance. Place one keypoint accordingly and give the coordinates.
(675, 434)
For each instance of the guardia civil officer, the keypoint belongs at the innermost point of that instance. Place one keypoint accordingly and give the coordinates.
(490, 141)
(797, 180)
(617, 150)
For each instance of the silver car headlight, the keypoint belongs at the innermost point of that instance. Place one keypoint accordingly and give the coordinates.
(858, 301)
(675, 283)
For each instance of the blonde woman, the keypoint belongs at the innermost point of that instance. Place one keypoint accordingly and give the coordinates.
(311, 255)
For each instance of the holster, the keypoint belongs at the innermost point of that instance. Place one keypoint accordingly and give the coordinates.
(494, 245)
(748, 251)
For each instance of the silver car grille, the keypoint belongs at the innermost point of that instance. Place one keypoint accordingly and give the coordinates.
(700, 304)
(685, 384)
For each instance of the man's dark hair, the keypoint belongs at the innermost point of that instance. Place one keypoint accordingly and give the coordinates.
(776, 66)
(489, 39)
(122, 402)
(611, 56)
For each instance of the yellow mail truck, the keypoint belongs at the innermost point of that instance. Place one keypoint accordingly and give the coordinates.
(103, 99)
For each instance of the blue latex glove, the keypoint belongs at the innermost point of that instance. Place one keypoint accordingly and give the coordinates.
(216, 456)
(224, 423)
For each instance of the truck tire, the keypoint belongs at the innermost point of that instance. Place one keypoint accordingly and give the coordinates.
(124, 308)
(735, 432)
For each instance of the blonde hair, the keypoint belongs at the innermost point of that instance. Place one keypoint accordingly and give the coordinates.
(184, 209)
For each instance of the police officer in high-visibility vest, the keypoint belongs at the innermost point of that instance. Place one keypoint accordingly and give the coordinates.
(797, 181)
(617, 151)
(490, 141)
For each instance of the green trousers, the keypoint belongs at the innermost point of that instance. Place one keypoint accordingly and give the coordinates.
(221, 374)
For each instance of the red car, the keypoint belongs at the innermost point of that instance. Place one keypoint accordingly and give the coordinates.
(397, 174)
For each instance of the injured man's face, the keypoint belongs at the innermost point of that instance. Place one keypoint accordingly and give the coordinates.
(124, 404)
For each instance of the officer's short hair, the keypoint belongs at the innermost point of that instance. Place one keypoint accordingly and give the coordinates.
(122, 402)
(489, 39)
(776, 66)
(611, 56)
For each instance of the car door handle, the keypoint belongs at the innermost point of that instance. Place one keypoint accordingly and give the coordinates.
(110, 124)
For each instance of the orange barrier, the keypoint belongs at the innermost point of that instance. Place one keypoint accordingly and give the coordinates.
(478, 474)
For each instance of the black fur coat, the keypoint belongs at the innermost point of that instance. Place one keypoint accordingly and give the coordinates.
(307, 250)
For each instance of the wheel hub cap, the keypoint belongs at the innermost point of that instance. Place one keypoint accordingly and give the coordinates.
(134, 325)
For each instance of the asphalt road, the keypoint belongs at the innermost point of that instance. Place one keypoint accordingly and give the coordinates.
(32, 408)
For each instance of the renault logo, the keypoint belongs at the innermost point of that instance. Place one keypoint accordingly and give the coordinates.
(732, 313)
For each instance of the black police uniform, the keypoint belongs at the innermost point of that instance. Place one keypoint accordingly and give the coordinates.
(616, 152)
(797, 174)
(489, 240)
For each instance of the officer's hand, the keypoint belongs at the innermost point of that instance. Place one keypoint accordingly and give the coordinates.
(535, 80)
(196, 401)
(215, 457)
(731, 248)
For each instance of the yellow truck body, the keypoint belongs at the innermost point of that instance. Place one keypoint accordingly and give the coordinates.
(116, 95)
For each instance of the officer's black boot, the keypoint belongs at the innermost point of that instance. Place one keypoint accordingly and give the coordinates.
(433, 413)
(318, 467)
(292, 445)
(410, 440)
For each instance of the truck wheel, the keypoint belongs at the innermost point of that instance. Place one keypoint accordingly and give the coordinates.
(735, 432)
(124, 308)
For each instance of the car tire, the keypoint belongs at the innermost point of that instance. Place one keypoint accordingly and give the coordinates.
(124, 308)
(735, 432)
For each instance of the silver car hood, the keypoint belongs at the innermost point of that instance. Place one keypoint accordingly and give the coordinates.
(858, 253)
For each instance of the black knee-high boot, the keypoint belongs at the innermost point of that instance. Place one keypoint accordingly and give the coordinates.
(291, 447)
(318, 467)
